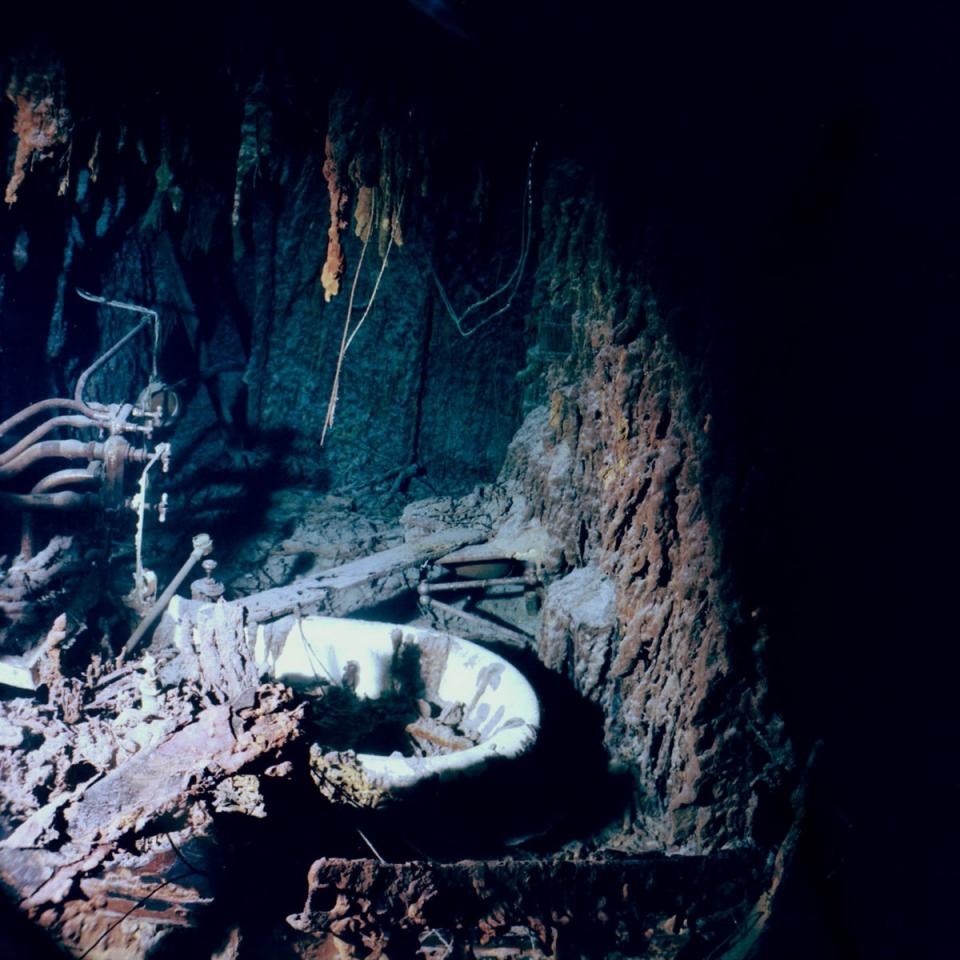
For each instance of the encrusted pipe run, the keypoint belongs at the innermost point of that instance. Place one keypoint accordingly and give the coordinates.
(100, 361)
(65, 449)
(54, 403)
(62, 478)
(62, 500)
(72, 450)
(77, 421)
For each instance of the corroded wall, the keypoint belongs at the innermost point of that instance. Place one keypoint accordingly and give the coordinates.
(650, 623)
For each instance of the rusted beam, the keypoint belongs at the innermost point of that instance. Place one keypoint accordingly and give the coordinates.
(605, 906)
(359, 583)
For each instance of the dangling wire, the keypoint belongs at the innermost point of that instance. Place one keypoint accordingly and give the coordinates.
(312, 656)
(512, 283)
(347, 338)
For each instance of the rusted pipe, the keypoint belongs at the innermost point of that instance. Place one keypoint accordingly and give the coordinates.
(66, 449)
(103, 358)
(55, 403)
(40, 499)
(78, 403)
(76, 420)
(69, 450)
(427, 587)
(202, 547)
(63, 477)
(62, 500)
(59, 479)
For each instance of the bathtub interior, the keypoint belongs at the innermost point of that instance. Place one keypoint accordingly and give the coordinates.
(500, 711)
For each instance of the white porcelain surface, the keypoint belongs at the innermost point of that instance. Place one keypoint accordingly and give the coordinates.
(501, 705)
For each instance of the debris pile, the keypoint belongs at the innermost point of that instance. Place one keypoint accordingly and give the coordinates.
(110, 775)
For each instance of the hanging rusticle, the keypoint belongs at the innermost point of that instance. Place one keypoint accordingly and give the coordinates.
(256, 132)
(339, 197)
(350, 165)
(43, 123)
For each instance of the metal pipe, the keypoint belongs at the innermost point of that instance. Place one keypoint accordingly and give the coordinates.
(78, 403)
(63, 477)
(67, 449)
(101, 360)
(77, 421)
(63, 500)
(55, 403)
(59, 479)
(428, 587)
(202, 547)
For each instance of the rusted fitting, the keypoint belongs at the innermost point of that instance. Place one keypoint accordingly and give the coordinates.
(207, 588)
(120, 421)
(135, 454)
(203, 544)
(116, 451)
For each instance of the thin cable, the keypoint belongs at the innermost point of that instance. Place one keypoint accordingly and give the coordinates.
(347, 340)
(113, 926)
(525, 221)
(182, 858)
(383, 267)
(513, 281)
(363, 837)
(315, 660)
(335, 392)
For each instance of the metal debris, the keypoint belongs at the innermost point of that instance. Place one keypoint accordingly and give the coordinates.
(525, 908)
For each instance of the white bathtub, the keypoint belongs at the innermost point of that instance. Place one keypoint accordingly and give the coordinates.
(500, 708)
